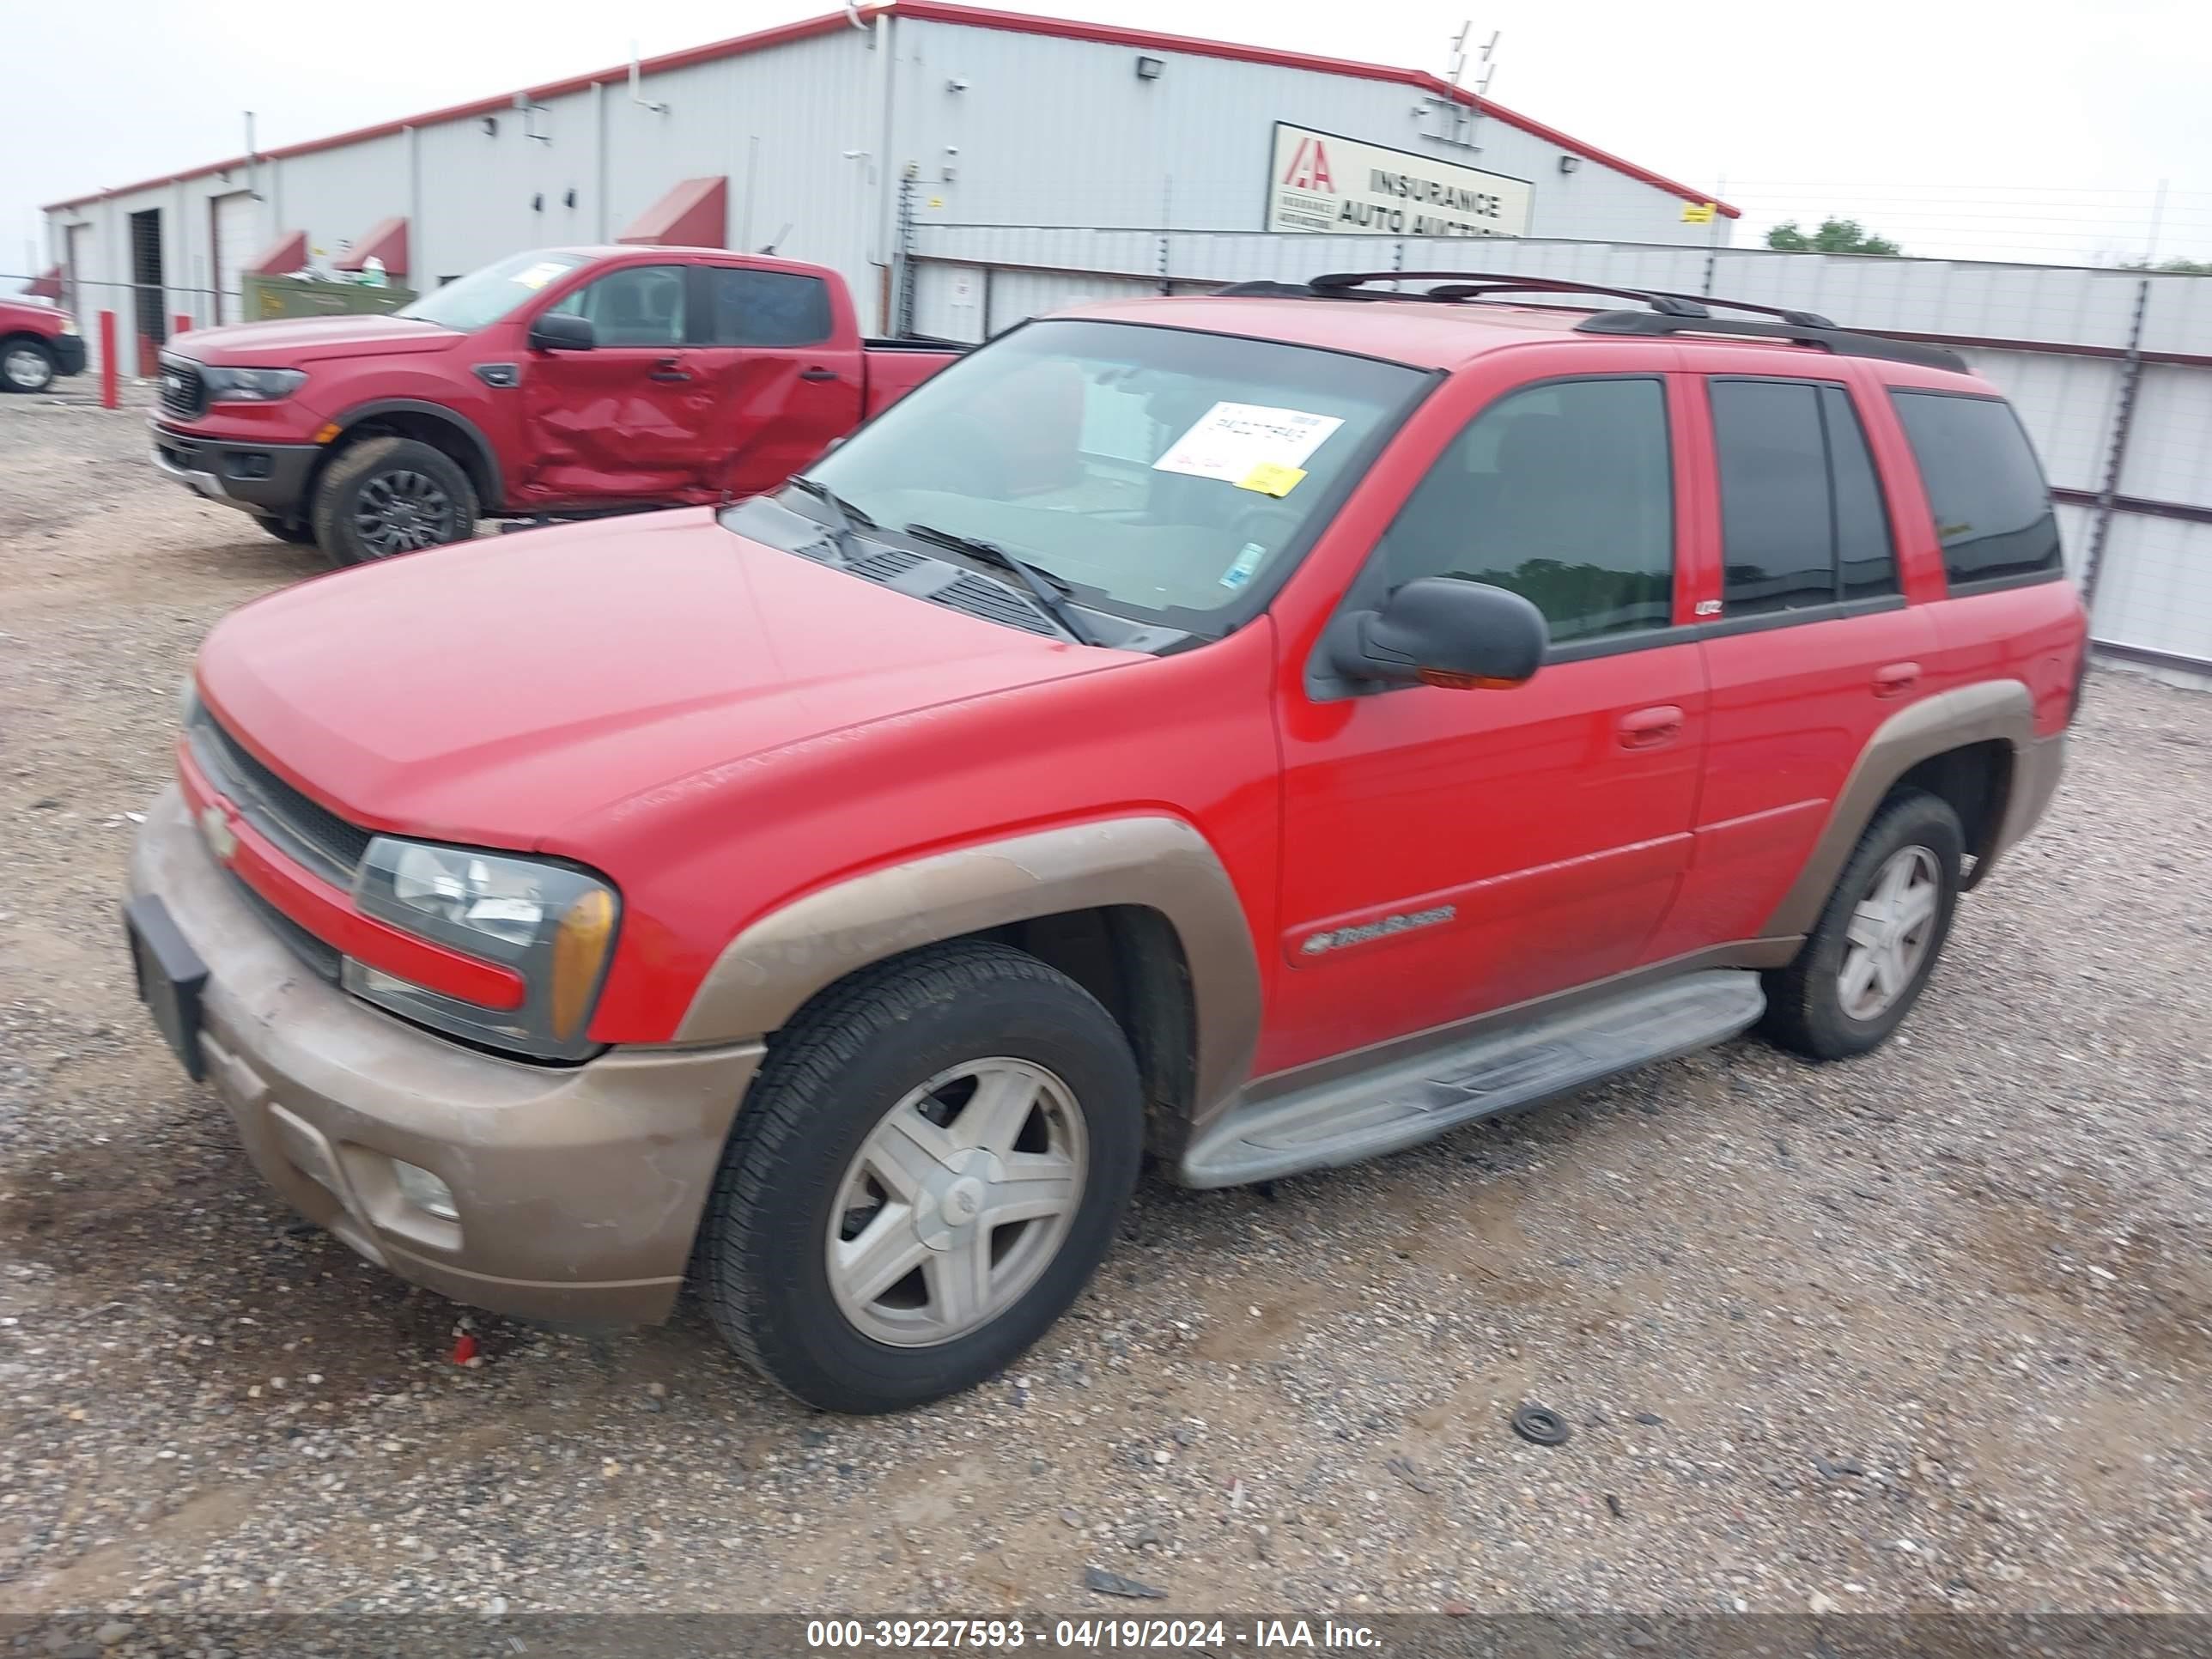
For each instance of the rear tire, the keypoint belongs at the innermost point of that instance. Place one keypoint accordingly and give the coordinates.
(855, 1159)
(385, 496)
(26, 365)
(1868, 957)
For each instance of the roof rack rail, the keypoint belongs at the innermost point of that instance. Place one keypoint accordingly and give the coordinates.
(1670, 312)
(1840, 341)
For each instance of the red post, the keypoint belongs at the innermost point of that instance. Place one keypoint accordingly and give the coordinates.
(180, 324)
(108, 394)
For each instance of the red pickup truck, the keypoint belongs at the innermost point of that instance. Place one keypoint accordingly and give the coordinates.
(1260, 730)
(565, 381)
(37, 343)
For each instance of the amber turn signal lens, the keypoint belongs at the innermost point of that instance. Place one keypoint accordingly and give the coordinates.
(580, 948)
(1437, 677)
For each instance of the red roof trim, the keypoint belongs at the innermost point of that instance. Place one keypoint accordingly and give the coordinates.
(940, 11)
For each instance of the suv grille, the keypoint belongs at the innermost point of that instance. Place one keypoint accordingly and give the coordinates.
(184, 393)
(324, 959)
(314, 835)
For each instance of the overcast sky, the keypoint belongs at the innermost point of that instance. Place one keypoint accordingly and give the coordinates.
(2026, 129)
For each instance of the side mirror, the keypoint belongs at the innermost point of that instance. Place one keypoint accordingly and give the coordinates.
(1440, 630)
(562, 330)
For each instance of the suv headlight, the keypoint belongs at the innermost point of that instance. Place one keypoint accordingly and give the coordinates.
(69, 323)
(553, 924)
(251, 386)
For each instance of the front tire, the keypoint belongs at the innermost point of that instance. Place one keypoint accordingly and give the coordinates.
(284, 530)
(26, 366)
(924, 1176)
(1868, 957)
(386, 496)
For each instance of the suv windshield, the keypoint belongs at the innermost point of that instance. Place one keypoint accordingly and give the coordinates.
(1157, 471)
(483, 297)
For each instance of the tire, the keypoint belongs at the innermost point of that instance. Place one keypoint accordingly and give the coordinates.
(26, 365)
(1827, 1005)
(284, 530)
(385, 496)
(855, 1060)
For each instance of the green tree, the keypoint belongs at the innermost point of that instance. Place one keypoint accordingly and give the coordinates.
(1834, 236)
(2171, 267)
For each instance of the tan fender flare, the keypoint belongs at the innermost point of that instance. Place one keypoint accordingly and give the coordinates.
(1988, 711)
(765, 974)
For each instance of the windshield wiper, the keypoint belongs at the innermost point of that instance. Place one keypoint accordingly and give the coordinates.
(849, 517)
(1050, 592)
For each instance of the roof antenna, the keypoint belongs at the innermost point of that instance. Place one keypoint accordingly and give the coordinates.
(777, 241)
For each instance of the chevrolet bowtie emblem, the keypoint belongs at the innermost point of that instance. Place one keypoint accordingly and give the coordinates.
(215, 831)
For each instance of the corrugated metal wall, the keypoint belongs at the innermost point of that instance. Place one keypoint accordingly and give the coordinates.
(1056, 132)
(815, 135)
(2153, 593)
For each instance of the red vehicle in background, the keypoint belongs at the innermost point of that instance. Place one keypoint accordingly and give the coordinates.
(37, 344)
(560, 382)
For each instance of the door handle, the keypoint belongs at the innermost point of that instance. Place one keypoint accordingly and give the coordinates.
(1647, 728)
(1896, 680)
(818, 373)
(669, 369)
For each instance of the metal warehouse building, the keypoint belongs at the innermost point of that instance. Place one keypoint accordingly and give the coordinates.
(839, 139)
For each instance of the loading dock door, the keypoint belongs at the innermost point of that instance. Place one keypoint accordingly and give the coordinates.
(151, 320)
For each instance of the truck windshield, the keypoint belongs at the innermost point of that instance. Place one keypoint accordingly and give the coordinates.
(1157, 471)
(483, 297)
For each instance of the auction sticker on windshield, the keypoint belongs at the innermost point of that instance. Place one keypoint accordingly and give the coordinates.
(1234, 442)
(541, 273)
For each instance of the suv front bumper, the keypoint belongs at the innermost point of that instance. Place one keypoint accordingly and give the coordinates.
(68, 353)
(578, 1189)
(269, 480)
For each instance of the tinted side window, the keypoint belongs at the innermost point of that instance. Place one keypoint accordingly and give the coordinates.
(1992, 507)
(639, 306)
(1777, 536)
(1563, 493)
(1802, 518)
(1866, 564)
(766, 308)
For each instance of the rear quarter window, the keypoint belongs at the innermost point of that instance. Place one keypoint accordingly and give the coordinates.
(1992, 508)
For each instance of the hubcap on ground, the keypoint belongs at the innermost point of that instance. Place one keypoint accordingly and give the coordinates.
(956, 1201)
(1888, 938)
(403, 512)
(25, 367)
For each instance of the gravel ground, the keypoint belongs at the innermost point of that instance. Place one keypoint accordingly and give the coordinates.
(1929, 1331)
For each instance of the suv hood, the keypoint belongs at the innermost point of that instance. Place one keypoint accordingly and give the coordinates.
(491, 692)
(288, 342)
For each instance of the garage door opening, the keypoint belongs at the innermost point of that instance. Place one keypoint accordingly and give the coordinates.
(149, 321)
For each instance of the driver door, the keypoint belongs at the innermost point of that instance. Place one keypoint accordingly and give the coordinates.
(634, 416)
(1448, 853)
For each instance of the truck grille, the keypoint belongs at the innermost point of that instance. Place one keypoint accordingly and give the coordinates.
(312, 833)
(183, 392)
(323, 960)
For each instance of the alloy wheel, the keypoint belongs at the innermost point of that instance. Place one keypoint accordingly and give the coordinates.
(403, 512)
(1887, 940)
(956, 1202)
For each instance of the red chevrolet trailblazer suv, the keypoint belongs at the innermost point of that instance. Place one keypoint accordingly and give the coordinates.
(567, 381)
(1262, 730)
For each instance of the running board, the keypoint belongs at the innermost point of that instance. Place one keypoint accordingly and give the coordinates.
(1406, 1100)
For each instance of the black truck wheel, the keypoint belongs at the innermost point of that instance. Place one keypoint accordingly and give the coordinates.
(385, 496)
